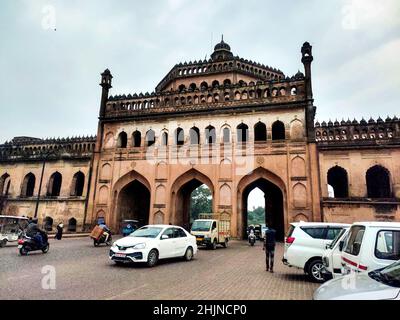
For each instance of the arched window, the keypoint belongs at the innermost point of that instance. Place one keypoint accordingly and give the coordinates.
(28, 185)
(72, 225)
(242, 133)
(122, 140)
(278, 130)
(378, 182)
(48, 223)
(204, 86)
(260, 132)
(164, 139)
(194, 134)
(179, 137)
(137, 139)
(215, 84)
(182, 88)
(192, 86)
(54, 186)
(338, 180)
(5, 183)
(211, 136)
(226, 135)
(150, 138)
(227, 82)
(78, 182)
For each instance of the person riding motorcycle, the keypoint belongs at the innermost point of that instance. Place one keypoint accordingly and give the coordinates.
(107, 231)
(33, 231)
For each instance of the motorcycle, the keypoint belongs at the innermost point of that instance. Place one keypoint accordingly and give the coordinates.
(252, 239)
(27, 244)
(102, 239)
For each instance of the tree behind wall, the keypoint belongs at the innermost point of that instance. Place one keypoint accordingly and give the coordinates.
(200, 202)
(256, 216)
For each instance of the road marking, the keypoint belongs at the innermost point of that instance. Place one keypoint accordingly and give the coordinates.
(18, 278)
(126, 292)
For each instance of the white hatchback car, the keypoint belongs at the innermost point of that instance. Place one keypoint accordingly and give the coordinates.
(153, 242)
(306, 243)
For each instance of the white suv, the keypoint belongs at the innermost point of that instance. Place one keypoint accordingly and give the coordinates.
(306, 242)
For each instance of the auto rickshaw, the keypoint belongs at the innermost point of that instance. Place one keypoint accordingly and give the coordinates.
(11, 229)
(128, 226)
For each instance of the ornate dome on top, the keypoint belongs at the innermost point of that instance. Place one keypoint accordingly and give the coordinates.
(222, 51)
(222, 45)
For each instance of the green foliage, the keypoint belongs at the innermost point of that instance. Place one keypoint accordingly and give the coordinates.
(201, 202)
(256, 216)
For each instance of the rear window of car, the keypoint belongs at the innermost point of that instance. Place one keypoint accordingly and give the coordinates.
(354, 240)
(388, 245)
(314, 232)
(332, 233)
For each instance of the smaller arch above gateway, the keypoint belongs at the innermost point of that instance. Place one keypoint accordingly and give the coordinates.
(191, 175)
(130, 177)
(259, 173)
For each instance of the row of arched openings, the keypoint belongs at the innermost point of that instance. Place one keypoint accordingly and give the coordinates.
(53, 186)
(377, 181)
(260, 135)
(48, 224)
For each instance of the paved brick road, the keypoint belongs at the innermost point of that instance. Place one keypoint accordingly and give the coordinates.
(84, 272)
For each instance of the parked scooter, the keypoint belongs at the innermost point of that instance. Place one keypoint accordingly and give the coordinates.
(27, 244)
(252, 238)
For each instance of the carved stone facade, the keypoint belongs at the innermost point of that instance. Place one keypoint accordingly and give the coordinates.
(228, 123)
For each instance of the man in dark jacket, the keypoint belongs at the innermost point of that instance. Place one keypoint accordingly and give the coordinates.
(35, 232)
(269, 247)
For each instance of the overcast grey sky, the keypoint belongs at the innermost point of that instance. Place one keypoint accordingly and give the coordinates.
(49, 79)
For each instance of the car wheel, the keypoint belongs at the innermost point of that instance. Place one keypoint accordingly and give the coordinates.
(314, 270)
(3, 243)
(152, 258)
(214, 245)
(225, 245)
(188, 254)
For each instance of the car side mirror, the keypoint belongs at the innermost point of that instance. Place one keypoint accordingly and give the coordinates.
(164, 237)
(341, 244)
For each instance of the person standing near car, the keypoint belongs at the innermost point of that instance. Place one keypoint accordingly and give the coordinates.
(269, 248)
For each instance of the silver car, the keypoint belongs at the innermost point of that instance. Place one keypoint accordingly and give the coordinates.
(381, 284)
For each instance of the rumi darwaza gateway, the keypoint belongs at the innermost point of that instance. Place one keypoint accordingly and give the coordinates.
(228, 123)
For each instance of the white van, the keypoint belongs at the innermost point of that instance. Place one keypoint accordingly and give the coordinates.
(370, 246)
(332, 256)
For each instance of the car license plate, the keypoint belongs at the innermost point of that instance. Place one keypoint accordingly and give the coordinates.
(199, 239)
(120, 255)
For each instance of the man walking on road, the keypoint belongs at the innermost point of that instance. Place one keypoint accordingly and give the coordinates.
(269, 247)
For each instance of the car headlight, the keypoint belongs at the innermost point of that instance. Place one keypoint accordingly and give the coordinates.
(139, 246)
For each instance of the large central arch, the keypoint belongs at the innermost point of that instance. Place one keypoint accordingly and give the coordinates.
(131, 199)
(181, 192)
(275, 200)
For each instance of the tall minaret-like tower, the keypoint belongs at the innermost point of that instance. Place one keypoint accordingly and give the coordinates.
(106, 78)
(306, 59)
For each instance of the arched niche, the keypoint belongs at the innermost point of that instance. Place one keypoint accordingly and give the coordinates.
(296, 130)
(299, 195)
(298, 167)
